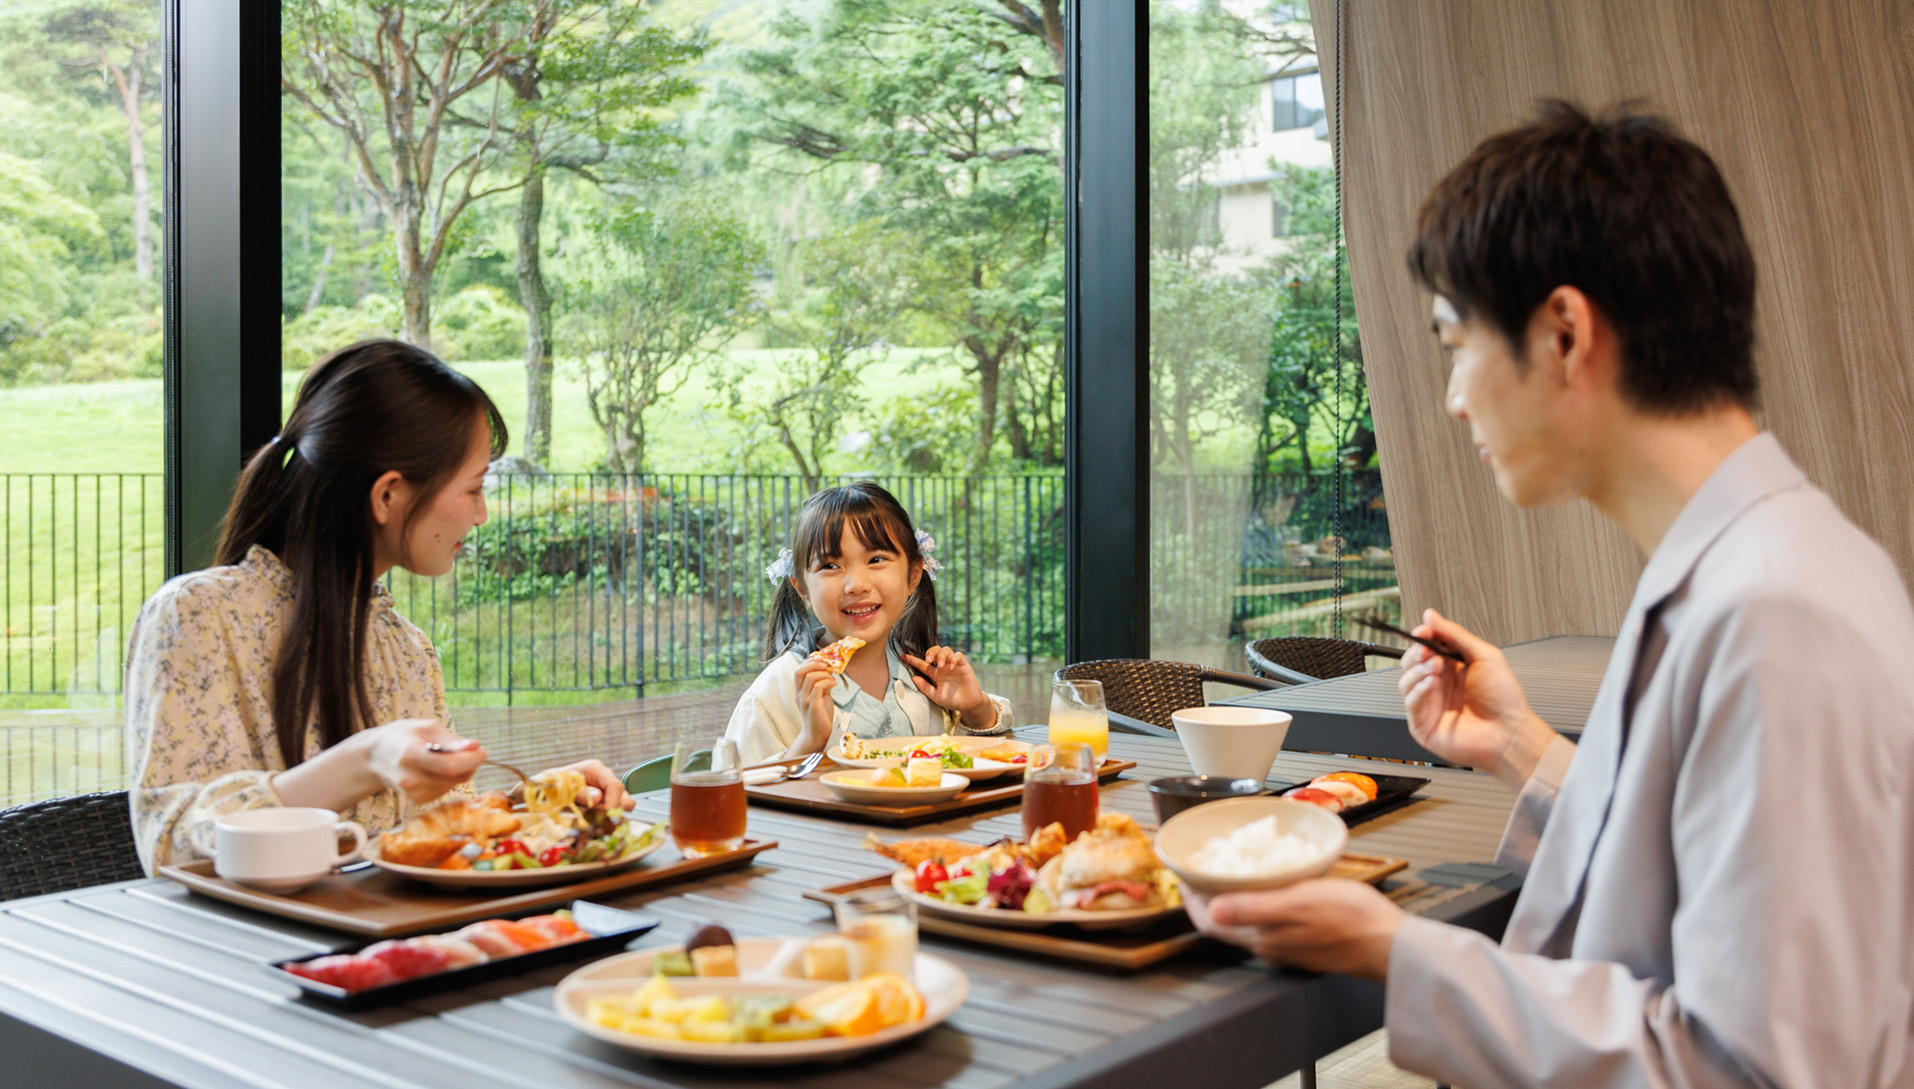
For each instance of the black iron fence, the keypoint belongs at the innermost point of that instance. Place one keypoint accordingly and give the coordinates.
(594, 582)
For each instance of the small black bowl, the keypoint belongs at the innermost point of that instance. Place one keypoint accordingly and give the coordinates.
(1177, 793)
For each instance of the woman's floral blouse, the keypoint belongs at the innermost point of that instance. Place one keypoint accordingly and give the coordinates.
(199, 702)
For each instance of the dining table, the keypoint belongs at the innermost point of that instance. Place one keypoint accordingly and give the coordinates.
(145, 983)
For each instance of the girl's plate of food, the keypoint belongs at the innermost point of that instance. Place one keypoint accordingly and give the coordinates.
(920, 782)
(1109, 878)
(488, 842)
(959, 755)
(755, 1001)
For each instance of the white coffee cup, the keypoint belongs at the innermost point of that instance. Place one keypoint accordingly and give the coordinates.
(1233, 742)
(282, 849)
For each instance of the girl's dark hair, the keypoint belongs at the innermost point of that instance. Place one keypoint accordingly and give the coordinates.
(880, 522)
(1623, 208)
(374, 407)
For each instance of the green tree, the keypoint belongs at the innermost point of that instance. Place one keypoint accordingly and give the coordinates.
(855, 286)
(664, 290)
(37, 228)
(411, 88)
(951, 130)
(585, 92)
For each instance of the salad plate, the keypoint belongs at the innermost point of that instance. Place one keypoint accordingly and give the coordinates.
(855, 786)
(904, 882)
(942, 984)
(648, 841)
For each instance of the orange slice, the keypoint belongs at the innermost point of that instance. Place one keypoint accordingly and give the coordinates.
(846, 1009)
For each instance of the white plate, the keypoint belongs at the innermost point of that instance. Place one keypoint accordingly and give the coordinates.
(480, 879)
(971, 745)
(979, 770)
(943, 984)
(1136, 918)
(855, 786)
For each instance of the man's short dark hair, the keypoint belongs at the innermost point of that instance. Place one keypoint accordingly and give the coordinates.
(1624, 209)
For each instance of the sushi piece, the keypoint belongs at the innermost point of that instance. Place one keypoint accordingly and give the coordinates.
(1315, 796)
(1354, 778)
(1349, 794)
(503, 938)
(558, 928)
(348, 972)
(406, 959)
(459, 953)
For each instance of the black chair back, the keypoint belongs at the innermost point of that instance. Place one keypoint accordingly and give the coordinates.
(66, 843)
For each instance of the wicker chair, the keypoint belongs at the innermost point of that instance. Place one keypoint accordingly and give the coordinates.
(66, 843)
(1147, 691)
(1300, 660)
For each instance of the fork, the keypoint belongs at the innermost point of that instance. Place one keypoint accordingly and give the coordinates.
(522, 777)
(802, 768)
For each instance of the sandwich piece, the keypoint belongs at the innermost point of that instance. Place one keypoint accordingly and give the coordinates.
(1110, 868)
(837, 656)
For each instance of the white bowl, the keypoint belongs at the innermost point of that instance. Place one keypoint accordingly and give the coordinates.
(1231, 742)
(1184, 834)
(855, 786)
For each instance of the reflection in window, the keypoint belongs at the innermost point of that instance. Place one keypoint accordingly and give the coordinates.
(1278, 218)
(1297, 101)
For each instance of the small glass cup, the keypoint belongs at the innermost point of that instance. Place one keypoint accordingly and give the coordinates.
(1061, 787)
(880, 932)
(1077, 714)
(707, 798)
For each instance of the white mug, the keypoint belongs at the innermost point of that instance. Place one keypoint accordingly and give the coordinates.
(282, 849)
(1233, 742)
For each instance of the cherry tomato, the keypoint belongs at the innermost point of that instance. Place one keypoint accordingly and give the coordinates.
(511, 847)
(554, 856)
(919, 754)
(929, 873)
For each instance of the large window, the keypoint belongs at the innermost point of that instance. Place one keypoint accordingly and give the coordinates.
(81, 511)
(706, 260)
(1266, 511)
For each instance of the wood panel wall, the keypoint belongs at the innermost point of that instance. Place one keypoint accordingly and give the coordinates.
(1808, 109)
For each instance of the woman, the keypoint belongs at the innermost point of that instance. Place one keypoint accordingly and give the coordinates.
(284, 676)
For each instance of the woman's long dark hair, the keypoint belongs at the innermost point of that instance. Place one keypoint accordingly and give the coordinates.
(880, 522)
(375, 407)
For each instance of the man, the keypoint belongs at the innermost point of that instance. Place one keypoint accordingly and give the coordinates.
(1719, 882)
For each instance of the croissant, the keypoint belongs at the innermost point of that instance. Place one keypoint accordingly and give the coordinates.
(911, 852)
(439, 832)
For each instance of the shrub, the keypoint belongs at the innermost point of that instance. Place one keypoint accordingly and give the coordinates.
(323, 329)
(480, 322)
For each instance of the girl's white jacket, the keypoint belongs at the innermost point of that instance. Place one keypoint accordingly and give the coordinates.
(767, 719)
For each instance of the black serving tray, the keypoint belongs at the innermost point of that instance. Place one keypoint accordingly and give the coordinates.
(610, 929)
(1392, 792)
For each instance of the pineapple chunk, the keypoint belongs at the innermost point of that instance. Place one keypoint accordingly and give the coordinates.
(713, 1032)
(656, 989)
(709, 1007)
(651, 1026)
(793, 1030)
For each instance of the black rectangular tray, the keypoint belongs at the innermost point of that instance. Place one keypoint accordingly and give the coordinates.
(610, 929)
(1392, 792)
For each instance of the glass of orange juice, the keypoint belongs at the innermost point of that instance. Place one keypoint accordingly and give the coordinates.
(1077, 715)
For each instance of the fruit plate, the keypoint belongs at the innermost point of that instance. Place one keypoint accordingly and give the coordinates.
(943, 984)
(610, 930)
(1130, 919)
(855, 786)
(505, 879)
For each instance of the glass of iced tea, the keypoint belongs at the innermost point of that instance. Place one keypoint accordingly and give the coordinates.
(1077, 714)
(1061, 786)
(707, 798)
(880, 932)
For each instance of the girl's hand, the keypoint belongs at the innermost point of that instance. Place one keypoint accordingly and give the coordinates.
(953, 684)
(1474, 714)
(398, 757)
(815, 683)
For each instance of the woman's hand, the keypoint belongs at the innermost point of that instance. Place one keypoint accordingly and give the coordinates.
(815, 683)
(1474, 713)
(953, 684)
(1323, 925)
(602, 785)
(400, 758)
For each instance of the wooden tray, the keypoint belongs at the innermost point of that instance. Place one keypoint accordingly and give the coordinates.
(811, 796)
(1122, 950)
(383, 905)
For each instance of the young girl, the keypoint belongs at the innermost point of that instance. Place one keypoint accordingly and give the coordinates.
(283, 676)
(857, 567)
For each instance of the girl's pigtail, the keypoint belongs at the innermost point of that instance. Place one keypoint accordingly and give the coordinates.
(790, 623)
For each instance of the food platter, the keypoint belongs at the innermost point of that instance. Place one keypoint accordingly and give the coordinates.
(1129, 919)
(506, 879)
(943, 984)
(855, 786)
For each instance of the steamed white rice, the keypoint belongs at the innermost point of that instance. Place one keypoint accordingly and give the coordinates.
(1256, 849)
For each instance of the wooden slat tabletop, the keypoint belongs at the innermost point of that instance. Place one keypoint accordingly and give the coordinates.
(144, 983)
(1363, 713)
